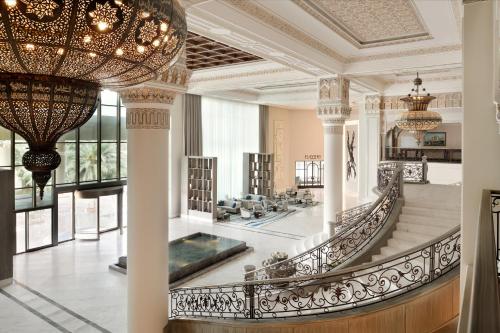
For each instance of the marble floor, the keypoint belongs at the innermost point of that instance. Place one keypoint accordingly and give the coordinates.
(69, 288)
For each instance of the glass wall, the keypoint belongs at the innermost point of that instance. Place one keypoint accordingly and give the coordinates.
(92, 156)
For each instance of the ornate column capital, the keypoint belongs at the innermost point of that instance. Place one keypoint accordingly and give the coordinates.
(373, 104)
(333, 106)
(145, 94)
(148, 104)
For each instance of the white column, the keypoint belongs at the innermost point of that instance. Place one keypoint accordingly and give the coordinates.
(148, 124)
(481, 142)
(334, 179)
(333, 109)
(369, 146)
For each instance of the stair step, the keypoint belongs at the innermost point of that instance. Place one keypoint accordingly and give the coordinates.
(432, 205)
(411, 236)
(432, 231)
(389, 251)
(430, 212)
(402, 244)
(432, 221)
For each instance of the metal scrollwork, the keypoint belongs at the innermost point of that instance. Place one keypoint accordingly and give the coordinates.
(351, 239)
(325, 293)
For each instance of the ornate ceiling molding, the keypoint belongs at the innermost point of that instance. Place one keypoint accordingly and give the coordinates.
(359, 21)
(242, 75)
(414, 52)
(250, 8)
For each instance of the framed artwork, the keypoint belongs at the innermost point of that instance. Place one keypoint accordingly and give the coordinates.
(435, 139)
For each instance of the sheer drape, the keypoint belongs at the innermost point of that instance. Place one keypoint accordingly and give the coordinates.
(229, 130)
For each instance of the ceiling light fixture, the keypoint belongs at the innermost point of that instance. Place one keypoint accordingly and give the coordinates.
(49, 83)
(417, 120)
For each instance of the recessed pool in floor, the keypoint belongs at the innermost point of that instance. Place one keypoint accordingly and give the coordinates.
(190, 254)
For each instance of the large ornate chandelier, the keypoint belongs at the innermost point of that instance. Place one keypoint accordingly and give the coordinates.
(55, 55)
(418, 119)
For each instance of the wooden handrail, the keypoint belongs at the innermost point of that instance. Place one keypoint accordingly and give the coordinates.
(484, 308)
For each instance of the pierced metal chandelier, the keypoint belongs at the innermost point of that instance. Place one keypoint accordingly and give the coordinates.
(418, 119)
(57, 54)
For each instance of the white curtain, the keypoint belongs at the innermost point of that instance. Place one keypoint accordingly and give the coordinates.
(229, 129)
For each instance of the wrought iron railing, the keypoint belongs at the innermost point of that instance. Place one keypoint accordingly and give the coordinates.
(495, 211)
(349, 216)
(413, 172)
(345, 245)
(324, 293)
(415, 154)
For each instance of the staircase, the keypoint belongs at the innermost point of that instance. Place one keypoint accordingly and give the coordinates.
(429, 211)
(309, 243)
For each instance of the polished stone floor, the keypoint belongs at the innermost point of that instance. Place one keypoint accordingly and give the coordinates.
(71, 289)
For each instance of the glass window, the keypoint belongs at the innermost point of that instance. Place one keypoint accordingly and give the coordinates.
(88, 162)
(123, 124)
(24, 198)
(109, 162)
(123, 160)
(65, 217)
(109, 97)
(124, 207)
(5, 147)
(86, 218)
(88, 132)
(47, 195)
(20, 232)
(20, 149)
(109, 123)
(39, 228)
(108, 212)
(66, 172)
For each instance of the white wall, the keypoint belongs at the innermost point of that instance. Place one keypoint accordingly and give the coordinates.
(445, 173)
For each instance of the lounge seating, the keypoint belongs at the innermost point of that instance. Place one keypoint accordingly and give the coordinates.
(246, 213)
(259, 210)
(230, 206)
(250, 199)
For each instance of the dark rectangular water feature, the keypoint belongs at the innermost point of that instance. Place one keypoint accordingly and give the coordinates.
(191, 254)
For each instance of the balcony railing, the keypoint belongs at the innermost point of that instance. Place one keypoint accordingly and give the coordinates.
(323, 293)
(413, 172)
(416, 154)
(346, 244)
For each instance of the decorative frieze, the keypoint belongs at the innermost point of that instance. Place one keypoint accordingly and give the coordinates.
(333, 105)
(177, 74)
(147, 95)
(145, 118)
(373, 104)
(443, 100)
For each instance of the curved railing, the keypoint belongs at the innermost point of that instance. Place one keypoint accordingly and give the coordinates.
(324, 293)
(344, 245)
(349, 216)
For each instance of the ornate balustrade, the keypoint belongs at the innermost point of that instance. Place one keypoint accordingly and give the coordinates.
(323, 293)
(345, 245)
(349, 216)
(413, 172)
(415, 154)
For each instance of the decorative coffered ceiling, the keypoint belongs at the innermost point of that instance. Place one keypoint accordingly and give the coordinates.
(375, 43)
(369, 23)
(203, 52)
